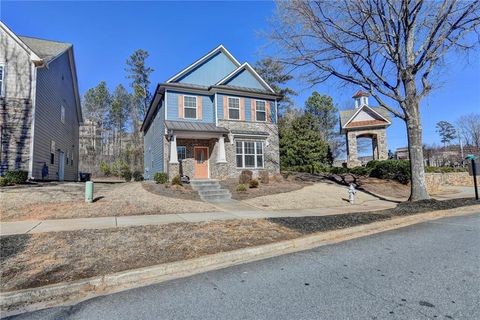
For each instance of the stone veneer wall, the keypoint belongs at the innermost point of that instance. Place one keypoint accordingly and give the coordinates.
(435, 181)
(229, 169)
(15, 123)
(271, 151)
(381, 138)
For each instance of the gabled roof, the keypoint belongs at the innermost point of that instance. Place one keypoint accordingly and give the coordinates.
(252, 71)
(361, 93)
(47, 50)
(197, 63)
(347, 116)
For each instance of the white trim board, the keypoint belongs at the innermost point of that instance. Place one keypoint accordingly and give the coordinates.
(203, 59)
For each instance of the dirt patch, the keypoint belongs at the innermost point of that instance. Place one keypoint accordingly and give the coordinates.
(66, 200)
(31, 262)
(178, 192)
(264, 189)
(384, 188)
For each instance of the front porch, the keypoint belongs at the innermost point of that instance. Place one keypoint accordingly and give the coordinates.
(196, 150)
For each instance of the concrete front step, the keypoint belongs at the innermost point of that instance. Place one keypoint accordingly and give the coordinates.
(210, 190)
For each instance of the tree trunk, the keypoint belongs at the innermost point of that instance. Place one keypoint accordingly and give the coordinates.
(418, 190)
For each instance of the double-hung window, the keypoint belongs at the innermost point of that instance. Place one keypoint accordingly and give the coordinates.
(190, 107)
(2, 80)
(249, 154)
(233, 108)
(182, 152)
(260, 110)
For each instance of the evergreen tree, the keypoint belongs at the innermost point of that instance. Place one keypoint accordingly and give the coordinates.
(273, 72)
(139, 73)
(446, 131)
(302, 144)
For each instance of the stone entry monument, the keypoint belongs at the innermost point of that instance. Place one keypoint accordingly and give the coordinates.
(364, 121)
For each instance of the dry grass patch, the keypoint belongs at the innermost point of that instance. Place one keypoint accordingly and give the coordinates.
(36, 260)
(66, 200)
(275, 186)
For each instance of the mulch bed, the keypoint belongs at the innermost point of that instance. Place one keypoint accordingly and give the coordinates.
(264, 189)
(309, 225)
(180, 192)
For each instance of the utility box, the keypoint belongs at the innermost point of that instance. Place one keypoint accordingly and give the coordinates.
(89, 191)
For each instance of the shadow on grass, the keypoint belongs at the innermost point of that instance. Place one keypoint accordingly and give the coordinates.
(10, 246)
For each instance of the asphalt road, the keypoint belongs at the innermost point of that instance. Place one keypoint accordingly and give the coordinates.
(426, 271)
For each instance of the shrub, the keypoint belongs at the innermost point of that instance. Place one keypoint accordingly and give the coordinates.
(339, 170)
(430, 169)
(105, 169)
(254, 183)
(264, 177)
(390, 169)
(4, 182)
(361, 171)
(245, 177)
(176, 181)
(127, 175)
(160, 177)
(118, 167)
(16, 176)
(241, 187)
(137, 176)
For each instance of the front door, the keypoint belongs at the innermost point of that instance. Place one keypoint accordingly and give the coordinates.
(61, 166)
(201, 162)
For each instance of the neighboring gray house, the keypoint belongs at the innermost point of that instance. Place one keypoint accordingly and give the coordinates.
(40, 110)
(213, 119)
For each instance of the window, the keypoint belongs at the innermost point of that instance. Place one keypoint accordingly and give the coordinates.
(190, 107)
(260, 111)
(62, 114)
(182, 152)
(234, 108)
(249, 154)
(2, 80)
(52, 152)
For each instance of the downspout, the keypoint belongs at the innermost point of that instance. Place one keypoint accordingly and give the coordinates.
(216, 111)
(35, 65)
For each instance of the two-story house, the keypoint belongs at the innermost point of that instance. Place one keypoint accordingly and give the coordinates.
(40, 108)
(213, 119)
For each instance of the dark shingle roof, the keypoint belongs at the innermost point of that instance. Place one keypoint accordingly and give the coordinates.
(345, 115)
(45, 49)
(194, 126)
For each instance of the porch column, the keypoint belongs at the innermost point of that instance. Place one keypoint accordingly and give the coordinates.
(173, 150)
(221, 150)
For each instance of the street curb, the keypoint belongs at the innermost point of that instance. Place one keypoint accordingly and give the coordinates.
(16, 302)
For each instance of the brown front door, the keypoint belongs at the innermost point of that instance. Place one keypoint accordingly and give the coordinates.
(201, 162)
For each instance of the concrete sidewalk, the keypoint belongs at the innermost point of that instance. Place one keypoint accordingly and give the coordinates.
(38, 226)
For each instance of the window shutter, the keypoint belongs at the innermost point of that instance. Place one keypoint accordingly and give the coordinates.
(199, 108)
(225, 107)
(267, 109)
(242, 108)
(180, 107)
(253, 114)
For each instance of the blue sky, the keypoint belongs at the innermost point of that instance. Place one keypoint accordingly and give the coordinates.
(175, 34)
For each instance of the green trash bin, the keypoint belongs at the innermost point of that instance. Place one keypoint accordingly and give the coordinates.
(89, 191)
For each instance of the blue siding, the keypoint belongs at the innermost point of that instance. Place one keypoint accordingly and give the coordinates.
(208, 111)
(248, 115)
(211, 71)
(245, 79)
(153, 144)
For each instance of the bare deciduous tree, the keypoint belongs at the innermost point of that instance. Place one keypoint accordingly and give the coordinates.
(469, 129)
(388, 47)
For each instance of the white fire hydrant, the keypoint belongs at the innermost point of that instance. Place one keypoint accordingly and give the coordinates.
(351, 193)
